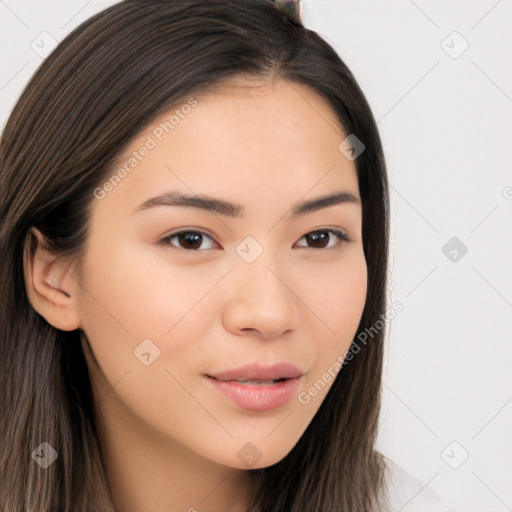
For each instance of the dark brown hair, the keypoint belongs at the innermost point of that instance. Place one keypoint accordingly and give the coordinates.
(84, 105)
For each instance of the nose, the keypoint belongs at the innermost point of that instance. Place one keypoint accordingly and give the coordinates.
(260, 300)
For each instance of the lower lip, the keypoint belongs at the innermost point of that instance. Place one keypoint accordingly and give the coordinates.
(258, 397)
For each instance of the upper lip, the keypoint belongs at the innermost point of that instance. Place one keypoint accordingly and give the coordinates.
(260, 371)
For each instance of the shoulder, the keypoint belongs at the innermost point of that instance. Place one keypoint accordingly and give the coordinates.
(406, 493)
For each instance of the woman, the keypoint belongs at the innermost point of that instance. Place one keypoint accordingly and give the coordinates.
(194, 232)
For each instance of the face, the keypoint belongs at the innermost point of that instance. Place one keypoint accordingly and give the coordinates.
(174, 295)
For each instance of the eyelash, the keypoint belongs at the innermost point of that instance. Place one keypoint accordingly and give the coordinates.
(340, 235)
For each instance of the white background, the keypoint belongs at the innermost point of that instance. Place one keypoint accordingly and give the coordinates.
(446, 124)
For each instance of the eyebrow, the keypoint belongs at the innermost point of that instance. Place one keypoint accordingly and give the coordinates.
(228, 209)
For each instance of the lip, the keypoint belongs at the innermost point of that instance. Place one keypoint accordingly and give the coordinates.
(263, 397)
(258, 397)
(260, 371)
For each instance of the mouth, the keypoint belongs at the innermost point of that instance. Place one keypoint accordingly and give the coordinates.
(260, 373)
(254, 382)
(258, 387)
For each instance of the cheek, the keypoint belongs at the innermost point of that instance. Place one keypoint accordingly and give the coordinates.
(133, 283)
(134, 292)
(341, 301)
(339, 308)
(173, 302)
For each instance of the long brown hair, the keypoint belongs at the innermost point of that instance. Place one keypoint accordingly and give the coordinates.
(84, 105)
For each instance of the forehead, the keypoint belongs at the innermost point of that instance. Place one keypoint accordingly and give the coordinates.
(243, 139)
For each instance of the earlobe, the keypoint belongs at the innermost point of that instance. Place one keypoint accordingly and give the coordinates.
(51, 288)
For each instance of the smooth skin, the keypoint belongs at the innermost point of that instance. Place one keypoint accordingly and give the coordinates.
(171, 441)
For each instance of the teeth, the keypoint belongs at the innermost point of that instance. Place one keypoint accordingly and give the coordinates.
(258, 382)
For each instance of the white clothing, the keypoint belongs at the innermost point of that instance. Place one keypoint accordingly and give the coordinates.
(408, 494)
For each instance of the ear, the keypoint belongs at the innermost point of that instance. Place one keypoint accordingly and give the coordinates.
(51, 288)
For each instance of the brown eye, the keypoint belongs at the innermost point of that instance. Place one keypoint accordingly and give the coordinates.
(188, 240)
(320, 238)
